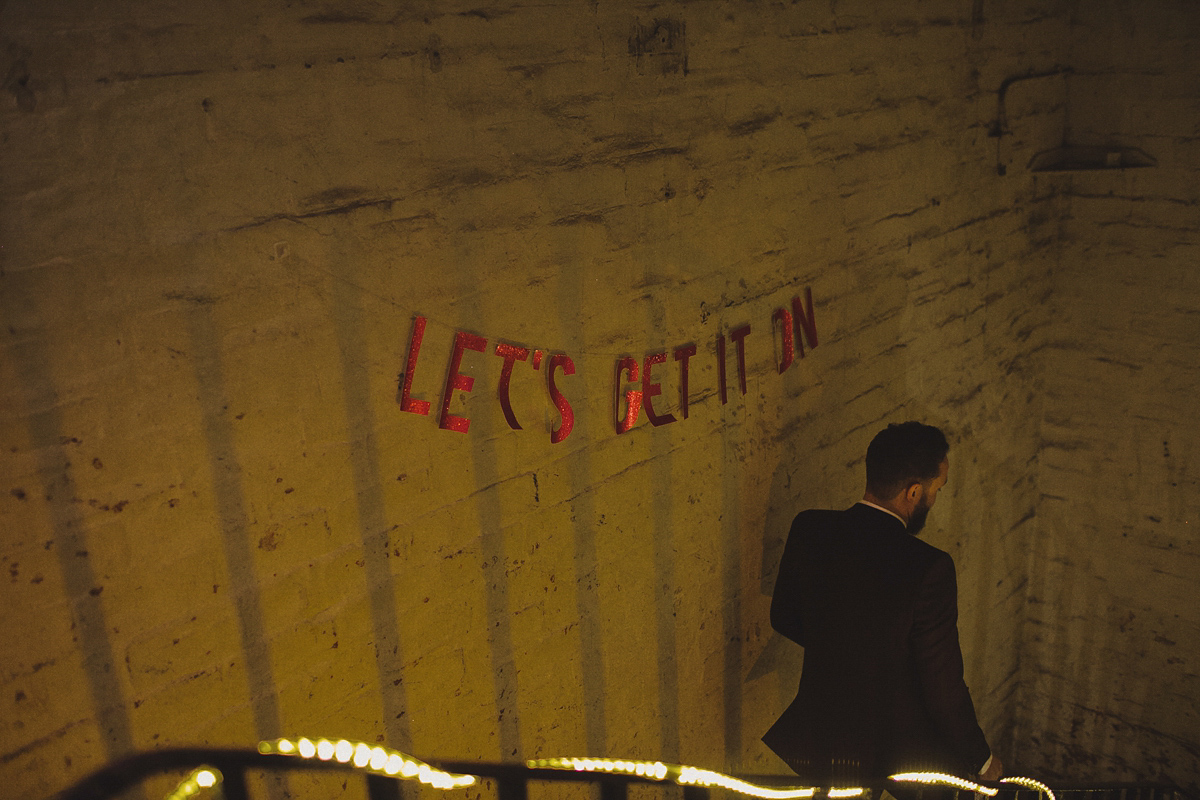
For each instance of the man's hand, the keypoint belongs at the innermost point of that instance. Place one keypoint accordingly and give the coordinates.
(994, 771)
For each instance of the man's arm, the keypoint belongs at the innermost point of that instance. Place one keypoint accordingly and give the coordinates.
(785, 598)
(940, 666)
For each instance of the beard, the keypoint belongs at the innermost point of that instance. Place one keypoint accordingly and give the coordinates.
(917, 521)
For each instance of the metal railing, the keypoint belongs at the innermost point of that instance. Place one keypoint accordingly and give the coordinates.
(230, 768)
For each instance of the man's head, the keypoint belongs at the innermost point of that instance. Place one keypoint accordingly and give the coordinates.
(906, 466)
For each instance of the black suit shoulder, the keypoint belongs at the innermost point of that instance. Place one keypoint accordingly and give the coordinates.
(850, 553)
(861, 525)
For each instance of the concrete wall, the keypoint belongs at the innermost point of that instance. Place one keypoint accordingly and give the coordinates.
(1114, 635)
(220, 223)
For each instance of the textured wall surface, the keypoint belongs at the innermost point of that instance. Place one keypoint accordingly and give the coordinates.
(1114, 639)
(219, 223)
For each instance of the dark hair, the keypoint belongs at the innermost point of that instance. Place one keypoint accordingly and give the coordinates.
(903, 454)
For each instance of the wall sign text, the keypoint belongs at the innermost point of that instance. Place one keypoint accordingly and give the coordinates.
(634, 393)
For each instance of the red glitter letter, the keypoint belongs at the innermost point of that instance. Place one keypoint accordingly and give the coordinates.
(650, 390)
(462, 341)
(414, 349)
(510, 353)
(739, 336)
(682, 354)
(788, 352)
(805, 322)
(560, 402)
(633, 398)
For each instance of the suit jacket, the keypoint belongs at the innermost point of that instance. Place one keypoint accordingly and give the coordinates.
(882, 689)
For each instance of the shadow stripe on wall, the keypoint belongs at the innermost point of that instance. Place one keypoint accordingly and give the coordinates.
(71, 540)
(581, 485)
(372, 517)
(231, 517)
(485, 465)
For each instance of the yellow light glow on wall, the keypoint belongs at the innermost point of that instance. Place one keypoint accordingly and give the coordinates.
(685, 776)
(942, 779)
(363, 756)
(1030, 783)
(200, 779)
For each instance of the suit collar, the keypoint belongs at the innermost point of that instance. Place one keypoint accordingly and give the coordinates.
(889, 512)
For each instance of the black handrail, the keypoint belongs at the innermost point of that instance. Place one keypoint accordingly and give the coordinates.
(233, 763)
(511, 780)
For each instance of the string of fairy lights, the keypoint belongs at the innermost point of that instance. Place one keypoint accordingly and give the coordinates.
(383, 761)
(196, 782)
(371, 758)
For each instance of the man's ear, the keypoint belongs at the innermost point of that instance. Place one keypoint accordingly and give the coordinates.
(914, 492)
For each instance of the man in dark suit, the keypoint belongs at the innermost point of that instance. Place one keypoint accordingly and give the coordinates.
(876, 610)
